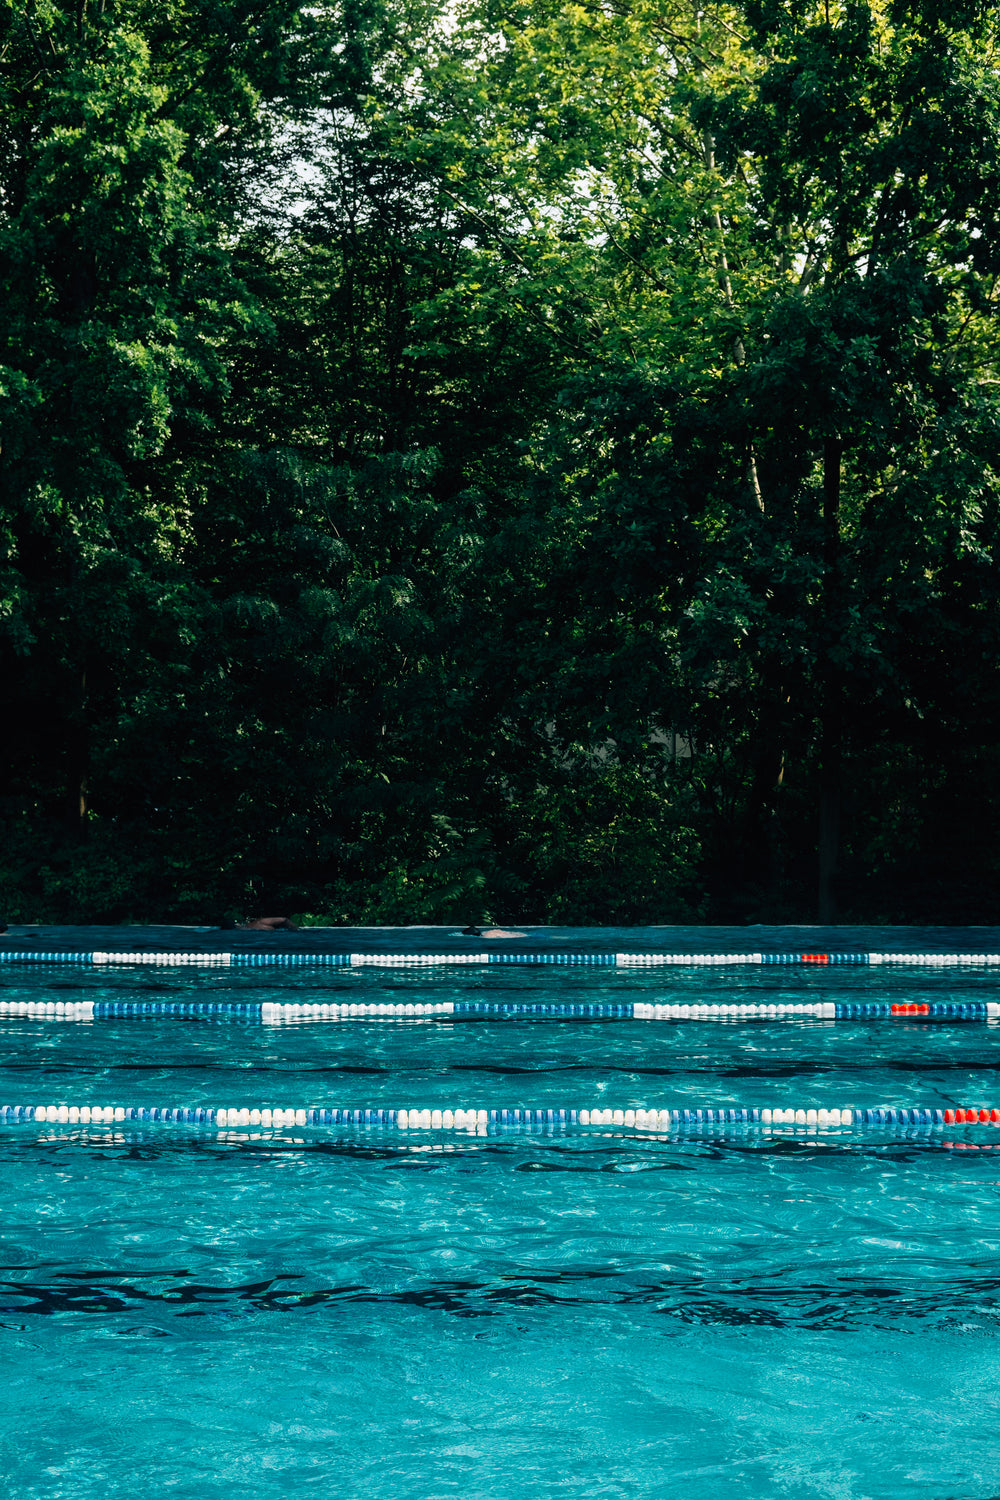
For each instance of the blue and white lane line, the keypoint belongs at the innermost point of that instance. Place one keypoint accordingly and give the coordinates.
(274, 1013)
(499, 1121)
(260, 960)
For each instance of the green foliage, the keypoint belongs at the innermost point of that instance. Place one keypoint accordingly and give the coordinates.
(609, 844)
(476, 463)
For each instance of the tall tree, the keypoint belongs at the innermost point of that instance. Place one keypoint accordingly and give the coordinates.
(127, 132)
(795, 208)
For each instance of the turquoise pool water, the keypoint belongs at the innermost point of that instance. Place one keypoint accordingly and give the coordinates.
(203, 1312)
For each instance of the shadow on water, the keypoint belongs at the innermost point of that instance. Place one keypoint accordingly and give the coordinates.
(557, 1153)
(969, 1303)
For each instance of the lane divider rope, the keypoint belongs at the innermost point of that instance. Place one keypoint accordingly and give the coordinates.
(492, 1120)
(429, 960)
(274, 1013)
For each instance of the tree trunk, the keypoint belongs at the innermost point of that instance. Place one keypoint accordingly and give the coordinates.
(78, 762)
(830, 686)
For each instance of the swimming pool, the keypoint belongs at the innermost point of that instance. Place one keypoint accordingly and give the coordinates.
(558, 1310)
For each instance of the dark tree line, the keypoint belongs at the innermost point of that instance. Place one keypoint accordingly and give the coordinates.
(536, 461)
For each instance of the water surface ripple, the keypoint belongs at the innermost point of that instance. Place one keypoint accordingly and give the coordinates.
(552, 1315)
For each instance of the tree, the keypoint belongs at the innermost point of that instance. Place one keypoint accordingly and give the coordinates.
(127, 131)
(800, 202)
(507, 434)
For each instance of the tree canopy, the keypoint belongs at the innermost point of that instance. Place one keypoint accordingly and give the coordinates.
(468, 461)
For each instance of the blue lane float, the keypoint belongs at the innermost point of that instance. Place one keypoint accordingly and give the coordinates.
(471, 1119)
(266, 960)
(274, 1013)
